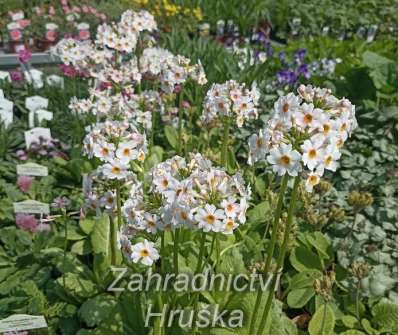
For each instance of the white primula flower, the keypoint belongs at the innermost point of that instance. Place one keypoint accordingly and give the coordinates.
(229, 225)
(104, 151)
(312, 153)
(126, 152)
(115, 169)
(286, 106)
(313, 179)
(230, 206)
(308, 117)
(210, 218)
(285, 160)
(144, 252)
(330, 157)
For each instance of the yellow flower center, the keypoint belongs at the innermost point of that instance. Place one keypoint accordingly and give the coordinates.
(284, 160)
(312, 153)
(210, 219)
(144, 253)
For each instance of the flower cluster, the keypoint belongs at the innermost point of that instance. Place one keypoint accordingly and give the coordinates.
(115, 144)
(305, 132)
(190, 194)
(171, 70)
(136, 108)
(231, 99)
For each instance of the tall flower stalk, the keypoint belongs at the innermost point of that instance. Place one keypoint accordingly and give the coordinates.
(281, 256)
(303, 137)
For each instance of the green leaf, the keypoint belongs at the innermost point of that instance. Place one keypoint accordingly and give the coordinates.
(349, 321)
(300, 297)
(100, 235)
(82, 247)
(172, 136)
(323, 321)
(259, 213)
(353, 332)
(373, 60)
(87, 225)
(303, 259)
(95, 310)
(386, 315)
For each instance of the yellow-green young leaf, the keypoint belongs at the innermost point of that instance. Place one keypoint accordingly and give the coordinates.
(353, 332)
(368, 327)
(349, 321)
(299, 298)
(323, 321)
(172, 136)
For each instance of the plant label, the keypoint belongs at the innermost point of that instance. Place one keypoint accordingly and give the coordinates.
(19, 322)
(6, 105)
(31, 207)
(40, 114)
(6, 117)
(36, 134)
(32, 169)
(36, 102)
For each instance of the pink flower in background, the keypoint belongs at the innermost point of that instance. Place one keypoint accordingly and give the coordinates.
(24, 183)
(76, 9)
(66, 9)
(51, 11)
(102, 17)
(84, 34)
(15, 35)
(26, 222)
(21, 154)
(16, 75)
(23, 23)
(85, 9)
(51, 35)
(186, 104)
(68, 71)
(64, 2)
(39, 11)
(24, 56)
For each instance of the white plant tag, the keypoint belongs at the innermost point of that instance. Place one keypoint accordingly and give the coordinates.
(32, 169)
(31, 207)
(20, 322)
(6, 105)
(34, 135)
(40, 114)
(6, 117)
(1, 94)
(36, 102)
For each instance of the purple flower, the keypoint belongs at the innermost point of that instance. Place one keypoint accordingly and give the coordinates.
(24, 183)
(303, 69)
(300, 54)
(26, 222)
(16, 75)
(21, 155)
(24, 56)
(61, 202)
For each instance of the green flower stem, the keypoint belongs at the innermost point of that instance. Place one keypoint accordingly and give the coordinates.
(175, 254)
(65, 247)
(323, 317)
(282, 254)
(180, 120)
(113, 236)
(157, 325)
(152, 138)
(357, 296)
(119, 205)
(201, 252)
(224, 149)
(271, 247)
(162, 252)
